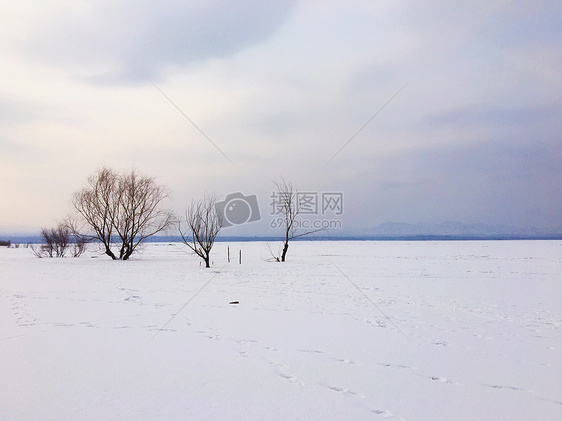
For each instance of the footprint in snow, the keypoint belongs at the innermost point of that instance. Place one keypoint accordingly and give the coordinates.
(276, 364)
(344, 361)
(439, 379)
(344, 391)
(292, 379)
(497, 386)
(385, 414)
(245, 341)
(395, 366)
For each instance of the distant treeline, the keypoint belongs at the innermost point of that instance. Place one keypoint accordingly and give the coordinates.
(36, 239)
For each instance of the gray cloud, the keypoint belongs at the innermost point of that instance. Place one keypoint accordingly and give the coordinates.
(132, 41)
(511, 180)
(505, 116)
(475, 136)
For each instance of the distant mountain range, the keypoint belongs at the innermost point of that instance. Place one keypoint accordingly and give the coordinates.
(398, 229)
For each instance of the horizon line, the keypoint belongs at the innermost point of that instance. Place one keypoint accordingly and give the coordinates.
(36, 239)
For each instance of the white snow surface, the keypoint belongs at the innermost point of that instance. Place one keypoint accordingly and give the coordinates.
(341, 331)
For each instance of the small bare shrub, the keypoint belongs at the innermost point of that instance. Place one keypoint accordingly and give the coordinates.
(56, 242)
(78, 246)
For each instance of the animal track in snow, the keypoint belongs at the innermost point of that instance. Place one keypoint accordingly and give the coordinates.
(344, 361)
(396, 366)
(385, 414)
(344, 391)
(439, 379)
(283, 371)
(497, 386)
(245, 341)
(290, 378)
(20, 311)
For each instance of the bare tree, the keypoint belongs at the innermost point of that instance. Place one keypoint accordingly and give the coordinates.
(56, 242)
(78, 246)
(203, 225)
(122, 210)
(97, 204)
(289, 208)
(139, 215)
(79, 240)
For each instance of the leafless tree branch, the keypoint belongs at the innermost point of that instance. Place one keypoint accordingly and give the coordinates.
(122, 209)
(290, 208)
(56, 242)
(203, 225)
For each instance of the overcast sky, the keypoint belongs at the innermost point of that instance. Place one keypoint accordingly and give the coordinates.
(279, 87)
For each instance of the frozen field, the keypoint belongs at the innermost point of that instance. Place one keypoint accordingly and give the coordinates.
(473, 333)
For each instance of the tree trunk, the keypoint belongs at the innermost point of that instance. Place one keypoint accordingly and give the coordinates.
(110, 253)
(285, 248)
(207, 265)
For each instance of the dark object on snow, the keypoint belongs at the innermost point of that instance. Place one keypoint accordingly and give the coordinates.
(5, 243)
(234, 302)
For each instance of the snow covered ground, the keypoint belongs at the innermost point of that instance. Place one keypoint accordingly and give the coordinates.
(472, 332)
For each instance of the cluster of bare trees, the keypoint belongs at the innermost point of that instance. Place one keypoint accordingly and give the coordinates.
(204, 223)
(121, 210)
(58, 241)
